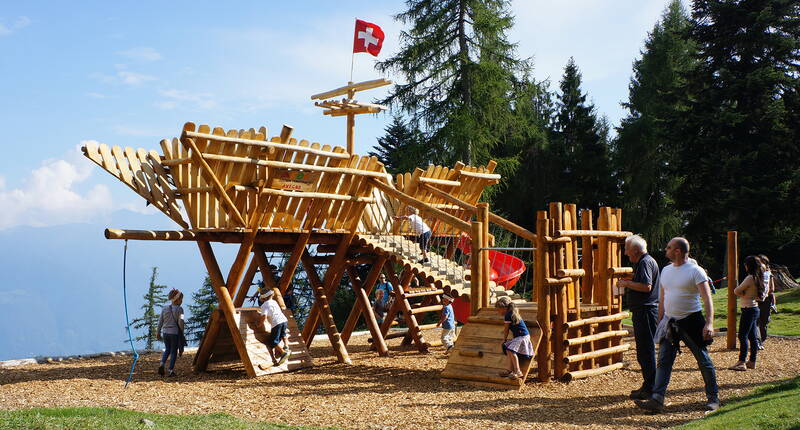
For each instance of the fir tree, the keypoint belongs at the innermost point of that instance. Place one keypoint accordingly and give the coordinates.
(402, 149)
(578, 150)
(205, 302)
(153, 301)
(458, 69)
(646, 145)
(740, 153)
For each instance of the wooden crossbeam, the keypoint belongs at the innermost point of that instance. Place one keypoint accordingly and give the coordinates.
(321, 303)
(285, 165)
(354, 87)
(265, 144)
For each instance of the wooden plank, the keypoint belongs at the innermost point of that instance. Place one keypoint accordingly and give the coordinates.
(354, 87)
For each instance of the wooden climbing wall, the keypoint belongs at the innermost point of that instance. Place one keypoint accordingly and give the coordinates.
(255, 334)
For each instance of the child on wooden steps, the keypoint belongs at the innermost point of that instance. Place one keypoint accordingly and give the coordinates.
(278, 331)
(519, 347)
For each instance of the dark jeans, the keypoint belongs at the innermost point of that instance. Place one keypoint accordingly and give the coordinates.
(170, 350)
(747, 331)
(645, 321)
(691, 333)
(765, 309)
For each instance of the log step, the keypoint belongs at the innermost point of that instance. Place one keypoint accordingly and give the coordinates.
(424, 293)
(424, 309)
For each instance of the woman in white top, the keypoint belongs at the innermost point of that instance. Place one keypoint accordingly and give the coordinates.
(751, 290)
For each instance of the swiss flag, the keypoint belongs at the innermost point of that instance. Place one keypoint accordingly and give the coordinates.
(368, 37)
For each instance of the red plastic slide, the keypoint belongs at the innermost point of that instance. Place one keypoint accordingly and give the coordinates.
(505, 270)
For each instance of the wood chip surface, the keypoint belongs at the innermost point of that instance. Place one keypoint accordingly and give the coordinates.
(402, 391)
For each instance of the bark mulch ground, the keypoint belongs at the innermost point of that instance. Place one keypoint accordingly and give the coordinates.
(402, 391)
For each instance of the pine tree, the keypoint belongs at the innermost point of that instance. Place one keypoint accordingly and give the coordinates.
(153, 301)
(646, 146)
(458, 69)
(578, 150)
(740, 153)
(402, 149)
(205, 302)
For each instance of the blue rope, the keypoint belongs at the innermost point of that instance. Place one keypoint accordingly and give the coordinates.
(127, 320)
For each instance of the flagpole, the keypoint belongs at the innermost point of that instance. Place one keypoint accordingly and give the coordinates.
(352, 61)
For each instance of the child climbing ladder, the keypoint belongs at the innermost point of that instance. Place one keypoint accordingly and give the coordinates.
(278, 334)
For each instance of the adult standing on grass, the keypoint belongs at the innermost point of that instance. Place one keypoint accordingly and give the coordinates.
(681, 319)
(170, 327)
(751, 290)
(642, 297)
(768, 305)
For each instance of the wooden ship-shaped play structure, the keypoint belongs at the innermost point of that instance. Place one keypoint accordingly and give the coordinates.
(329, 210)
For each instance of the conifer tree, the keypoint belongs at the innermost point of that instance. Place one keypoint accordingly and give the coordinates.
(740, 147)
(578, 150)
(153, 301)
(458, 67)
(646, 146)
(402, 149)
(205, 302)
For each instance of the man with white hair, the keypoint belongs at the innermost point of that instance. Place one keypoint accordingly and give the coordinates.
(642, 298)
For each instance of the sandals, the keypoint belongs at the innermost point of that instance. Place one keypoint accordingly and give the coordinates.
(740, 366)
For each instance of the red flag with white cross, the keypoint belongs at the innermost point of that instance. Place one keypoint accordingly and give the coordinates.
(368, 37)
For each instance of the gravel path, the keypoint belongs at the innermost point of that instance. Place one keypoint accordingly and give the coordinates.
(402, 391)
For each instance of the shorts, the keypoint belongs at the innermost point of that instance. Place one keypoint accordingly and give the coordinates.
(424, 240)
(277, 334)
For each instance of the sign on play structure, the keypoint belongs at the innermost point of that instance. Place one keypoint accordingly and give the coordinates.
(294, 180)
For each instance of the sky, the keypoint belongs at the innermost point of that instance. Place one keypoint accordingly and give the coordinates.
(130, 74)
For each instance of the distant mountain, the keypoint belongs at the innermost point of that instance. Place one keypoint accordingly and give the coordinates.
(61, 289)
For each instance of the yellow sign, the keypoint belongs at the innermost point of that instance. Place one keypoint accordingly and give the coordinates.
(294, 180)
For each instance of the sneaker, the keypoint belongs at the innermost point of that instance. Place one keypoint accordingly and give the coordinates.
(739, 366)
(712, 405)
(424, 260)
(172, 373)
(283, 358)
(447, 350)
(651, 405)
(750, 364)
(640, 394)
(760, 346)
(161, 370)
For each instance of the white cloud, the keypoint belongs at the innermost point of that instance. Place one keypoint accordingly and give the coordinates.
(185, 99)
(18, 24)
(131, 78)
(141, 54)
(96, 95)
(48, 196)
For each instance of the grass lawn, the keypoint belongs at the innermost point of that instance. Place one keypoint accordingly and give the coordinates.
(767, 407)
(785, 323)
(107, 418)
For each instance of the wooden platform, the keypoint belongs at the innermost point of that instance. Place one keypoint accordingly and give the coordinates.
(477, 357)
(255, 335)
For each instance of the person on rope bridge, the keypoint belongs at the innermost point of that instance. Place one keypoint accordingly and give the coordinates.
(520, 346)
(170, 328)
(278, 332)
(420, 229)
(447, 322)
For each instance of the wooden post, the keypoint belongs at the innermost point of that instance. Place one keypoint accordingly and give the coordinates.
(542, 296)
(351, 132)
(587, 258)
(476, 269)
(483, 217)
(733, 281)
(362, 297)
(560, 305)
(358, 307)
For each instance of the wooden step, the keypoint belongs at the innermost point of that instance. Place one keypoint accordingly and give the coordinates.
(424, 293)
(424, 309)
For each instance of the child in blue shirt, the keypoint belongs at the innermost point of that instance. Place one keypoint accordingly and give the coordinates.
(447, 322)
(520, 346)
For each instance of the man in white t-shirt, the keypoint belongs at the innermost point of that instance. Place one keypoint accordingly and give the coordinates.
(419, 228)
(683, 285)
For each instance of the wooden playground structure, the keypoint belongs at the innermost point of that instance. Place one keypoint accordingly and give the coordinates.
(328, 210)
